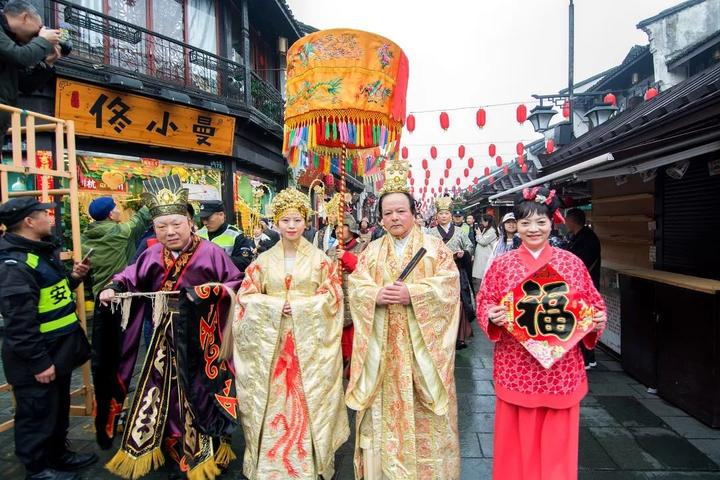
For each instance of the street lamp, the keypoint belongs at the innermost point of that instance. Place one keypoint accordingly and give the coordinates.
(540, 117)
(600, 114)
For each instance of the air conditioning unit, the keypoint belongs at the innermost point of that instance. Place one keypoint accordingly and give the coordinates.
(677, 171)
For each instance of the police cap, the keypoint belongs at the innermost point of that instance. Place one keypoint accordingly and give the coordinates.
(210, 207)
(16, 209)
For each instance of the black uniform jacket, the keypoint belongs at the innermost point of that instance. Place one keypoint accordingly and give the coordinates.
(25, 351)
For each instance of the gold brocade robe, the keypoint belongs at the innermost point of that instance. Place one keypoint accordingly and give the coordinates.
(402, 376)
(289, 368)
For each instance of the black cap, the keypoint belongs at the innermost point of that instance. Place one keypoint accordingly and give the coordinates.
(458, 213)
(16, 209)
(210, 207)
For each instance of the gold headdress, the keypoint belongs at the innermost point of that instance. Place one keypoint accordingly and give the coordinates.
(165, 196)
(290, 199)
(332, 207)
(443, 204)
(396, 177)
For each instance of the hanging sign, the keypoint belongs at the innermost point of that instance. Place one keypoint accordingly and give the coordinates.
(105, 113)
(547, 316)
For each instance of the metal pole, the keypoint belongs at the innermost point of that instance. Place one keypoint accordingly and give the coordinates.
(571, 60)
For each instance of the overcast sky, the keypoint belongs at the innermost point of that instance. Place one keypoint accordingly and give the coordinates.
(470, 53)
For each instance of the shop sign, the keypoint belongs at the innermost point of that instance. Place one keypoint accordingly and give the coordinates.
(547, 316)
(105, 113)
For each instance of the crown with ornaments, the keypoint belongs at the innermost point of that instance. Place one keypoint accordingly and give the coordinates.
(165, 196)
(289, 200)
(444, 204)
(396, 177)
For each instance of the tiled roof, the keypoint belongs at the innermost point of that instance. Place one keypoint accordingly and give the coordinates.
(688, 95)
(700, 45)
(665, 13)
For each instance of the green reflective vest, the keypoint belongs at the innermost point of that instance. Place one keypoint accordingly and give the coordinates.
(56, 305)
(225, 240)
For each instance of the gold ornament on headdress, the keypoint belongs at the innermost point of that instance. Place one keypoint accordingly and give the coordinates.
(443, 204)
(396, 177)
(165, 196)
(290, 199)
(332, 207)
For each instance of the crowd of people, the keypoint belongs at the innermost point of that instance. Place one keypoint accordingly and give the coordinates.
(347, 316)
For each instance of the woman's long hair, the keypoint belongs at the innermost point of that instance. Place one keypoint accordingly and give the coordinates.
(491, 224)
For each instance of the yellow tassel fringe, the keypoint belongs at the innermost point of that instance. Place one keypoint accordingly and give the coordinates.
(224, 455)
(130, 468)
(207, 470)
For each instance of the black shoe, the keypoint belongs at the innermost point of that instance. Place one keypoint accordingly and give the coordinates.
(50, 474)
(71, 461)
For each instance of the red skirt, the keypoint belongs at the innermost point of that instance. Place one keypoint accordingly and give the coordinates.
(346, 342)
(535, 443)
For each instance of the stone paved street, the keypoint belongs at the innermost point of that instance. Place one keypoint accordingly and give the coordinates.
(625, 433)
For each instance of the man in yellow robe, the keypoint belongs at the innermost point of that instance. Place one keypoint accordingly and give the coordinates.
(402, 376)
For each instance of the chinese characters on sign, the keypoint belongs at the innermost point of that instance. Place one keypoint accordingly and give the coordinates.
(101, 112)
(546, 316)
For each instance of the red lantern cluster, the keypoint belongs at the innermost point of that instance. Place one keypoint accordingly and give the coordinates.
(444, 121)
(410, 124)
(481, 117)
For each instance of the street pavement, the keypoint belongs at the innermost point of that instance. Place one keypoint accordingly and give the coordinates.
(625, 432)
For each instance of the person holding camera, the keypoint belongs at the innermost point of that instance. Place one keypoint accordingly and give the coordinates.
(28, 52)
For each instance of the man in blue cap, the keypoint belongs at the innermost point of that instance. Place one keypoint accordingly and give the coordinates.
(43, 341)
(113, 242)
(229, 238)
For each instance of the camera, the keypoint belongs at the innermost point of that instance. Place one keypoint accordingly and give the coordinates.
(65, 48)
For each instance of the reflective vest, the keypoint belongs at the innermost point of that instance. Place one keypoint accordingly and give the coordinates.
(225, 240)
(56, 304)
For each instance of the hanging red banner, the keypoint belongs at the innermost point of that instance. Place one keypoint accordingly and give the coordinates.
(547, 316)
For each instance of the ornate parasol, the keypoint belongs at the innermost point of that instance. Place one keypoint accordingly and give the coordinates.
(345, 103)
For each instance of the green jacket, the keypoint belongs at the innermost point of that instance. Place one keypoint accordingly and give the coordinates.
(21, 69)
(114, 245)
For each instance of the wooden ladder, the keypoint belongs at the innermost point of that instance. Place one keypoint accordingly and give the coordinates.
(65, 168)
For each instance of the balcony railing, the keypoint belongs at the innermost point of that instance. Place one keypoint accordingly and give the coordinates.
(103, 41)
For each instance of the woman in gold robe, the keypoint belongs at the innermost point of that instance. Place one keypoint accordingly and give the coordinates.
(288, 365)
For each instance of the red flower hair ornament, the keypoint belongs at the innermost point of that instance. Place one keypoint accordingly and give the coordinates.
(536, 194)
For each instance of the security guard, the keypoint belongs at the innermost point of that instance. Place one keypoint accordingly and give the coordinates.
(227, 237)
(43, 339)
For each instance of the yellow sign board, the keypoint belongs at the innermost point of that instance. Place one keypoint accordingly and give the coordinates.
(105, 113)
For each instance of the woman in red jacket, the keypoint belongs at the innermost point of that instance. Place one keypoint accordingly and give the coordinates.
(538, 409)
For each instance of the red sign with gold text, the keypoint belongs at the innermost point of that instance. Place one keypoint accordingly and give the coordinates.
(546, 316)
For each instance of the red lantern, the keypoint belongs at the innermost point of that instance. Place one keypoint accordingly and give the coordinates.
(410, 123)
(651, 93)
(424, 164)
(466, 172)
(461, 151)
(470, 189)
(492, 150)
(524, 168)
(519, 148)
(427, 181)
(432, 190)
(476, 180)
(506, 169)
(457, 181)
(521, 113)
(444, 121)
(521, 160)
(446, 173)
(404, 152)
(412, 181)
(471, 162)
(427, 173)
(433, 152)
(498, 161)
(448, 164)
(566, 109)
(610, 99)
(550, 145)
(480, 117)
(491, 180)
(487, 171)
(410, 174)
(441, 182)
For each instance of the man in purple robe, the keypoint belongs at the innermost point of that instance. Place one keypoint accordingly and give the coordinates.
(184, 404)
